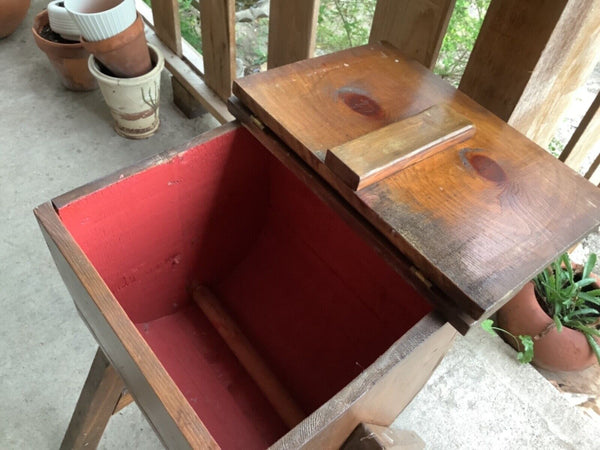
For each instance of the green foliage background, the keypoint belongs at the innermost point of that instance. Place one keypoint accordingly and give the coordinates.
(347, 23)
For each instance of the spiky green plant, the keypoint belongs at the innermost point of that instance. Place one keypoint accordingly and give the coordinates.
(569, 298)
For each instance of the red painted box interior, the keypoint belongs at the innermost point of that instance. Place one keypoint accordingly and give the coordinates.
(316, 301)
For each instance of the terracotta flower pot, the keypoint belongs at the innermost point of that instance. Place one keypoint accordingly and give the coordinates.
(69, 60)
(12, 13)
(566, 351)
(126, 54)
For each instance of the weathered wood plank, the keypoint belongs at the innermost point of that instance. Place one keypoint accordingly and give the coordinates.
(567, 61)
(217, 19)
(463, 216)
(370, 158)
(292, 31)
(585, 137)
(512, 38)
(529, 58)
(321, 187)
(155, 392)
(416, 28)
(392, 380)
(166, 22)
(97, 401)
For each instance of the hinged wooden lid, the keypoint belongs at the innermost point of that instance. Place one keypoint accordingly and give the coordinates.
(479, 218)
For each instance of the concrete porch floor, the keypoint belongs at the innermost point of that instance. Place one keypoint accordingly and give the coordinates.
(53, 140)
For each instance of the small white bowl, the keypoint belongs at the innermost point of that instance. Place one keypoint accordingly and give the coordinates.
(61, 21)
(101, 19)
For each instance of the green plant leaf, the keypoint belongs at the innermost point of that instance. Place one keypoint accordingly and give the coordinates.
(594, 345)
(567, 263)
(584, 312)
(585, 329)
(558, 323)
(589, 265)
(488, 325)
(588, 297)
(585, 282)
(527, 354)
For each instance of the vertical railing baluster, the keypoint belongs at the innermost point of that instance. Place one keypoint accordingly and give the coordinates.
(292, 30)
(166, 23)
(217, 19)
(529, 59)
(583, 141)
(416, 28)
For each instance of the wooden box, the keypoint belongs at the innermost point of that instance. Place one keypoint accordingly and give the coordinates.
(346, 294)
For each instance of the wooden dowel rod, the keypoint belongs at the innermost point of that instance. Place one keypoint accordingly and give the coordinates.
(276, 394)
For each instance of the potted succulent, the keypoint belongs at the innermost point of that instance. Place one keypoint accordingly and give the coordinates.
(553, 321)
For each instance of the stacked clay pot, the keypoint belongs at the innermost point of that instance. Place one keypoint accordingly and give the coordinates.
(69, 59)
(113, 32)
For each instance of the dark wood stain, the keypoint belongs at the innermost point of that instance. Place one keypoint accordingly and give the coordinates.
(360, 102)
(483, 165)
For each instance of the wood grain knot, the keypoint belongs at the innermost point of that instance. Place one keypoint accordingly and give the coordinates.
(360, 102)
(483, 165)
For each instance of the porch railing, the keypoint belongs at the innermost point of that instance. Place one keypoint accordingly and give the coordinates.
(528, 60)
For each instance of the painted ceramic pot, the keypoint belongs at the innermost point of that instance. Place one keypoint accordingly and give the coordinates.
(12, 13)
(133, 102)
(564, 351)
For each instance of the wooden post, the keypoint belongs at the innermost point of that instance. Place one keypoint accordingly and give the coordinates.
(282, 402)
(292, 30)
(530, 57)
(585, 137)
(417, 28)
(166, 23)
(98, 400)
(218, 44)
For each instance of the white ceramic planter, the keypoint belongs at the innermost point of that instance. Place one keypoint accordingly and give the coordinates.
(101, 19)
(133, 102)
(61, 21)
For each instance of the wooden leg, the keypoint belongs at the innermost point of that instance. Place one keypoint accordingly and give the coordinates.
(103, 394)
(187, 104)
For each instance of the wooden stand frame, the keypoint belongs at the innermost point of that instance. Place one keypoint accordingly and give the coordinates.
(103, 395)
(377, 395)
